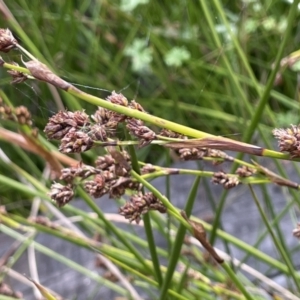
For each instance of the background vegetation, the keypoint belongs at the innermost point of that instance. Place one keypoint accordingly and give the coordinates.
(204, 64)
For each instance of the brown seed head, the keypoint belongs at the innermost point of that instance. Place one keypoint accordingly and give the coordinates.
(148, 168)
(7, 40)
(23, 115)
(61, 194)
(61, 123)
(17, 76)
(98, 133)
(245, 171)
(192, 153)
(75, 142)
(172, 134)
(97, 187)
(117, 99)
(101, 116)
(80, 170)
(289, 140)
(143, 133)
(227, 181)
(140, 204)
(135, 105)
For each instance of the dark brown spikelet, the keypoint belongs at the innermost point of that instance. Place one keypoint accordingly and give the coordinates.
(135, 105)
(101, 116)
(289, 140)
(171, 134)
(140, 204)
(245, 171)
(115, 118)
(105, 162)
(148, 168)
(98, 133)
(228, 181)
(97, 187)
(61, 123)
(76, 142)
(118, 187)
(61, 194)
(23, 115)
(17, 76)
(18, 114)
(7, 40)
(116, 98)
(192, 153)
(82, 171)
(143, 133)
(108, 162)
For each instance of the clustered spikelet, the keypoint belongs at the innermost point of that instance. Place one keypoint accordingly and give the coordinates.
(296, 231)
(148, 168)
(61, 194)
(140, 204)
(143, 133)
(245, 171)
(172, 134)
(289, 140)
(64, 121)
(109, 176)
(17, 76)
(19, 114)
(192, 153)
(81, 171)
(228, 181)
(7, 40)
(200, 153)
(76, 142)
(78, 132)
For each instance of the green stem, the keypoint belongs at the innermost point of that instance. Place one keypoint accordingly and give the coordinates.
(278, 245)
(176, 249)
(113, 229)
(237, 282)
(171, 209)
(147, 222)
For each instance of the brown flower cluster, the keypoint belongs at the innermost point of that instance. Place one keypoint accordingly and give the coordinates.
(78, 132)
(19, 114)
(228, 181)
(7, 40)
(200, 153)
(61, 194)
(17, 76)
(245, 171)
(296, 231)
(289, 140)
(109, 176)
(140, 204)
(71, 129)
